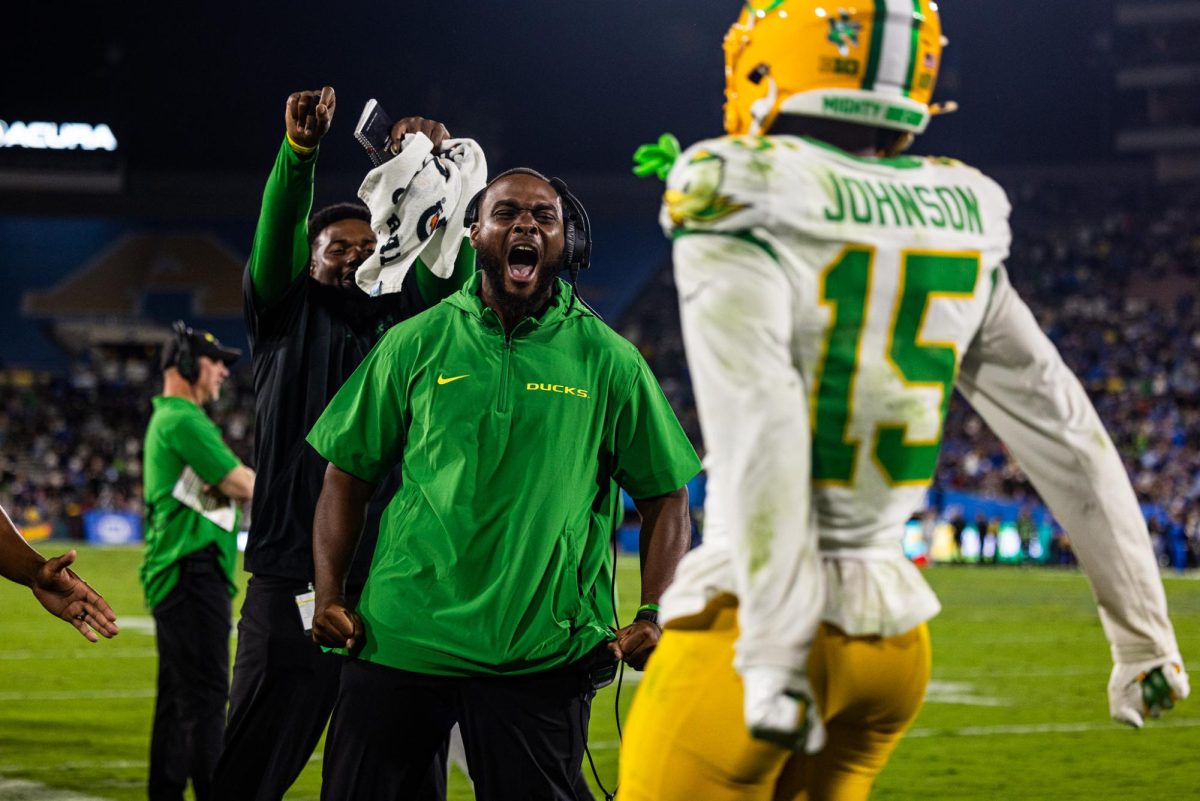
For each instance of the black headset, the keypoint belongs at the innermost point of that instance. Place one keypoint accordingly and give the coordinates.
(577, 228)
(185, 358)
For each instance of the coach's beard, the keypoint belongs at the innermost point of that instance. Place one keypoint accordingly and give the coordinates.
(516, 307)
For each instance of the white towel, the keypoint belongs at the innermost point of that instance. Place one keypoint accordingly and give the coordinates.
(417, 201)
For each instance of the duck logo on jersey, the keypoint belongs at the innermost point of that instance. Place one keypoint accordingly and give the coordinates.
(701, 200)
(843, 31)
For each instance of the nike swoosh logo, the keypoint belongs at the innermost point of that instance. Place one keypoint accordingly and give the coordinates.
(443, 380)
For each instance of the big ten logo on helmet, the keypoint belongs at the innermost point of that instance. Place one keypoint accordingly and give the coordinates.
(840, 66)
(559, 388)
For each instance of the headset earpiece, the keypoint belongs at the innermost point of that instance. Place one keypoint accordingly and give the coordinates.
(185, 358)
(577, 230)
(471, 215)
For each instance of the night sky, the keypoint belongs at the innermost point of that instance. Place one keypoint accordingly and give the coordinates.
(569, 86)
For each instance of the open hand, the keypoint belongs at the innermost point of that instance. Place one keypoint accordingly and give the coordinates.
(308, 115)
(64, 594)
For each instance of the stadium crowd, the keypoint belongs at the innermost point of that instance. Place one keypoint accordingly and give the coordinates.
(1115, 290)
(70, 443)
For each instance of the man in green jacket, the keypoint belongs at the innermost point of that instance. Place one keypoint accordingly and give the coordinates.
(194, 485)
(309, 326)
(516, 416)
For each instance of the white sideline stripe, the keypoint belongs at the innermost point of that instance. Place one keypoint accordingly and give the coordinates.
(1048, 728)
(137, 625)
(112, 764)
(21, 790)
(76, 695)
(987, 731)
(1100, 672)
(91, 653)
(959, 692)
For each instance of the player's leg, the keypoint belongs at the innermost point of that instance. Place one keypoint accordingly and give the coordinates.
(208, 656)
(168, 742)
(193, 634)
(870, 690)
(525, 735)
(686, 736)
(387, 738)
(284, 688)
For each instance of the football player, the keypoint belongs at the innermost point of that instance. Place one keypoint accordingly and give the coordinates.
(833, 294)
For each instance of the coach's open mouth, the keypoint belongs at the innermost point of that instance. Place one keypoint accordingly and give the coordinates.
(522, 262)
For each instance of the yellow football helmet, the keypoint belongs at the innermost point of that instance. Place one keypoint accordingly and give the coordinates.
(872, 62)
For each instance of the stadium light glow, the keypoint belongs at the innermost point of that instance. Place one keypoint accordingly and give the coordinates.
(57, 136)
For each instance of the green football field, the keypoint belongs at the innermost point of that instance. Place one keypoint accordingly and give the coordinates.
(1016, 709)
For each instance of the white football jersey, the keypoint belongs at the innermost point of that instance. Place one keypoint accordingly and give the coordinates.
(830, 304)
(890, 265)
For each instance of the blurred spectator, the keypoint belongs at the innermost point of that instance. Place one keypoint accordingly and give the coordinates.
(73, 443)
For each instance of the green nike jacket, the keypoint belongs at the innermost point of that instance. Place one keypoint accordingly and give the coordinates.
(494, 554)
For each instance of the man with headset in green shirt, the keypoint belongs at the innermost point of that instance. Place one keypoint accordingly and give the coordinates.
(516, 415)
(194, 485)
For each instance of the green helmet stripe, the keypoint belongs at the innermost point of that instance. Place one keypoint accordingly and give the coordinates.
(878, 29)
(771, 5)
(918, 18)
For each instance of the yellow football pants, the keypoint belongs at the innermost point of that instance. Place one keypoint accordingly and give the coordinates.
(686, 739)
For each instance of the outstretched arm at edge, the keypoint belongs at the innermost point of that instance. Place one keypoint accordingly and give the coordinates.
(56, 587)
(1016, 380)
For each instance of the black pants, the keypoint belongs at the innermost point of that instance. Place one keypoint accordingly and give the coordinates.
(193, 680)
(284, 687)
(524, 735)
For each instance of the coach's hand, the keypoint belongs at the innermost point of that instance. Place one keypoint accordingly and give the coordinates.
(307, 117)
(336, 625)
(635, 643)
(433, 129)
(1138, 690)
(64, 594)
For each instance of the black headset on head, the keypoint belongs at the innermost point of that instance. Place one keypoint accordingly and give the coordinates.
(185, 357)
(577, 228)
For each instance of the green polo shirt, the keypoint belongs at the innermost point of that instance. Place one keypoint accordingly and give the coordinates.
(494, 555)
(180, 435)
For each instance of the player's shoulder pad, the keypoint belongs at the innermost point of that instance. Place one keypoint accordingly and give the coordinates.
(719, 185)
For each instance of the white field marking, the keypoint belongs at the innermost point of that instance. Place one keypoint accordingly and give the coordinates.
(1078, 670)
(1029, 638)
(1049, 728)
(1011, 729)
(959, 692)
(137, 625)
(145, 625)
(99, 652)
(21, 790)
(114, 764)
(77, 695)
